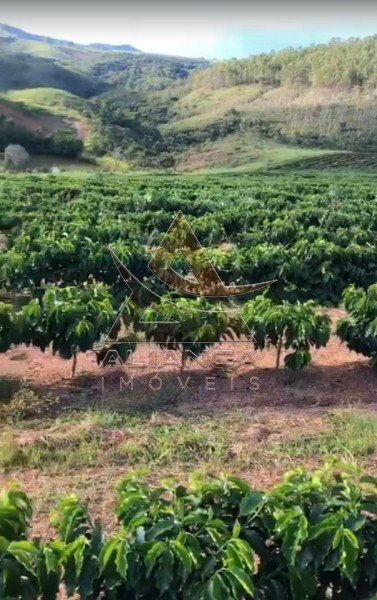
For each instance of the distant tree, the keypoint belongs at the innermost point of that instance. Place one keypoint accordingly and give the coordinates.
(166, 161)
(65, 143)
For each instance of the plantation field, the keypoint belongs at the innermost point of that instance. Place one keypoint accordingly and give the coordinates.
(362, 162)
(71, 423)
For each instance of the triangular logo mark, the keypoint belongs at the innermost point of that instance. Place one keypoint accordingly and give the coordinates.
(182, 267)
(181, 238)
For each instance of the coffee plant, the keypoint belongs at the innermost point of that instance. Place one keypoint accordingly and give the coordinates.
(8, 326)
(189, 325)
(313, 237)
(359, 328)
(69, 320)
(287, 326)
(312, 536)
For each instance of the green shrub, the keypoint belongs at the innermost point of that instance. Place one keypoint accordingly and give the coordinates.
(359, 328)
(312, 536)
(291, 326)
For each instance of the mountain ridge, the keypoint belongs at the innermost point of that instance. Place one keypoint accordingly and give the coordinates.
(15, 32)
(160, 111)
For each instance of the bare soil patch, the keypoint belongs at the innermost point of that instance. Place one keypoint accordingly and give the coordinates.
(285, 407)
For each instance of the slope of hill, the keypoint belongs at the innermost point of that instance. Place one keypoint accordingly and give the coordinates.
(299, 117)
(159, 111)
(47, 85)
(46, 121)
(347, 63)
(21, 71)
(323, 98)
(58, 101)
(16, 37)
(61, 109)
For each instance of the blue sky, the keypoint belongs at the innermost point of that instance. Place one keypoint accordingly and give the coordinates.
(195, 28)
(242, 42)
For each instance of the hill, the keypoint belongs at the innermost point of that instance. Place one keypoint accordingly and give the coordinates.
(161, 111)
(16, 37)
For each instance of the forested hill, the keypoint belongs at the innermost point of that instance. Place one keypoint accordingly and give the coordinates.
(30, 61)
(347, 63)
(150, 110)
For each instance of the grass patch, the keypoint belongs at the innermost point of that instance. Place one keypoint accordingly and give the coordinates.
(203, 107)
(352, 434)
(245, 152)
(106, 438)
(236, 441)
(23, 403)
(47, 97)
(186, 443)
(8, 450)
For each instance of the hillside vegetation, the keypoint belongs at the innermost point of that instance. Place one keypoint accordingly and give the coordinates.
(155, 111)
(347, 63)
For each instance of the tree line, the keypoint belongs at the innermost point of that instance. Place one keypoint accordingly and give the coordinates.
(347, 63)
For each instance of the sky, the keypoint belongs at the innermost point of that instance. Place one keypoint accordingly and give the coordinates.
(209, 29)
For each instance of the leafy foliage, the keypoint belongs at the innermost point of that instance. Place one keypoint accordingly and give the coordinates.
(314, 238)
(69, 319)
(359, 328)
(8, 327)
(288, 326)
(188, 325)
(311, 536)
(321, 65)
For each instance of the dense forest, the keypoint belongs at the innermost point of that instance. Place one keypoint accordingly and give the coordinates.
(347, 63)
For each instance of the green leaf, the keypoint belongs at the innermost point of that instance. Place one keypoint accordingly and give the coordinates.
(243, 486)
(163, 527)
(302, 582)
(184, 557)
(165, 572)
(4, 543)
(107, 552)
(243, 579)
(349, 554)
(236, 529)
(250, 502)
(121, 559)
(295, 533)
(25, 553)
(51, 560)
(153, 555)
(217, 588)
